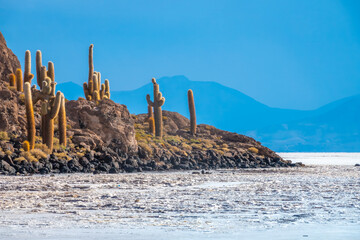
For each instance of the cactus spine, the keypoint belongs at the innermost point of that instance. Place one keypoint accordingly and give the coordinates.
(192, 112)
(28, 76)
(19, 80)
(30, 115)
(159, 100)
(12, 80)
(38, 68)
(62, 122)
(94, 82)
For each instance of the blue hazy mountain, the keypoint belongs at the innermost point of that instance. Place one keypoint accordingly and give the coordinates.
(336, 129)
(333, 127)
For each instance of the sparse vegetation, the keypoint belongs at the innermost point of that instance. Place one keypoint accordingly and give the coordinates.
(253, 150)
(4, 136)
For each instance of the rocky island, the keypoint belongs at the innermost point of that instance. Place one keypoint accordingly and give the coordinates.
(42, 132)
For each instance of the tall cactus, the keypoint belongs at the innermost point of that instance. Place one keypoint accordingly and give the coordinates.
(38, 68)
(19, 80)
(50, 106)
(30, 115)
(94, 82)
(192, 112)
(62, 122)
(50, 110)
(28, 76)
(159, 100)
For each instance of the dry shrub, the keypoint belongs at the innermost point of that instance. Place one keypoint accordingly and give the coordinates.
(4, 136)
(38, 153)
(146, 147)
(253, 150)
(43, 148)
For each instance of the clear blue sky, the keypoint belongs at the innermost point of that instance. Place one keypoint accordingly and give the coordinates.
(296, 54)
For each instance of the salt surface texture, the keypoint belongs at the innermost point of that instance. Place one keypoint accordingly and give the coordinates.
(314, 202)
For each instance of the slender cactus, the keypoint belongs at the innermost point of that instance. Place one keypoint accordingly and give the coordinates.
(51, 71)
(38, 68)
(12, 80)
(19, 80)
(62, 122)
(91, 64)
(159, 100)
(28, 76)
(30, 115)
(151, 126)
(150, 112)
(192, 112)
(107, 89)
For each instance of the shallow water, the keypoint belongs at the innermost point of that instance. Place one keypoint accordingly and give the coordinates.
(315, 202)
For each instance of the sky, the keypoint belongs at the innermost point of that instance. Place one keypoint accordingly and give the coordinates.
(298, 54)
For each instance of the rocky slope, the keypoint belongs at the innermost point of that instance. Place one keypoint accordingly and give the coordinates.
(104, 137)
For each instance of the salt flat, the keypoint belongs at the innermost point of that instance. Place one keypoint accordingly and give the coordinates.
(289, 203)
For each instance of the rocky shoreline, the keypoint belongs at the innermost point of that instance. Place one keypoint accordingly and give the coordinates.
(104, 160)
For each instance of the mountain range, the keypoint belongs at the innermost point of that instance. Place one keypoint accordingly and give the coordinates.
(333, 127)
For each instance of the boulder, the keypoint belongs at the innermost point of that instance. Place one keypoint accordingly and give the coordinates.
(105, 124)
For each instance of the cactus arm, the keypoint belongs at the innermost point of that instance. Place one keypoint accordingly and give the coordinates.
(86, 91)
(102, 91)
(95, 82)
(56, 106)
(51, 71)
(53, 86)
(30, 115)
(161, 102)
(107, 88)
(151, 103)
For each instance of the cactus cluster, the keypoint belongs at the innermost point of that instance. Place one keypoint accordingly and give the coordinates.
(159, 100)
(94, 90)
(51, 104)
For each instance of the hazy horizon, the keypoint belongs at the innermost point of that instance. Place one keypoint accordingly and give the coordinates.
(294, 55)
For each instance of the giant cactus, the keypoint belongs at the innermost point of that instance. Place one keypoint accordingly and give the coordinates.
(50, 106)
(192, 112)
(93, 88)
(28, 76)
(62, 122)
(159, 100)
(38, 68)
(30, 115)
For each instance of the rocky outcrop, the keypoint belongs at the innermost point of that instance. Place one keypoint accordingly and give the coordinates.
(106, 124)
(8, 61)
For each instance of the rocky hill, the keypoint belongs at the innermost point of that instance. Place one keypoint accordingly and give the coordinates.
(105, 137)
